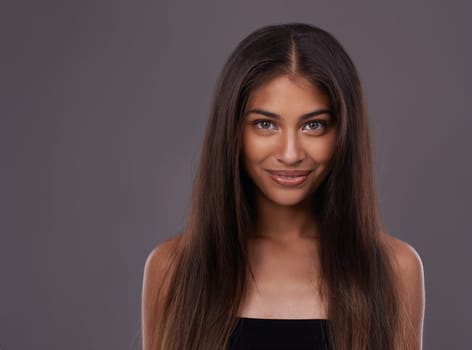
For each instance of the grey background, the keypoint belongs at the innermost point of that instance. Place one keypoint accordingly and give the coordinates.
(103, 107)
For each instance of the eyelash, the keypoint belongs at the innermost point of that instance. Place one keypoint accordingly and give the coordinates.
(322, 122)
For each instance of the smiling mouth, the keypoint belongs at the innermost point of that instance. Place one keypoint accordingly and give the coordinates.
(290, 181)
(289, 173)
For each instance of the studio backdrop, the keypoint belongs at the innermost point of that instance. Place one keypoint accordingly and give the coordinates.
(103, 107)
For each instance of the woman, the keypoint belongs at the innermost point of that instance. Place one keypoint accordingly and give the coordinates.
(284, 239)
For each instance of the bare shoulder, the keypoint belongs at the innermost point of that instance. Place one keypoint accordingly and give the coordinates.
(158, 263)
(405, 257)
(408, 268)
(160, 257)
(157, 270)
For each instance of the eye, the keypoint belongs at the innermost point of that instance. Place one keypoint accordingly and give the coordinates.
(317, 124)
(263, 123)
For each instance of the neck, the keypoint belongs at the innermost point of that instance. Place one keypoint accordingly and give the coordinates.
(285, 222)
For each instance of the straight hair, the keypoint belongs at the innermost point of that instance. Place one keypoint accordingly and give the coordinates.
(210, 266)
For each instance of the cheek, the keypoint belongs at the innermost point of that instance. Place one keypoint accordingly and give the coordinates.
(323, 152)
(255, 148)
(248, 152)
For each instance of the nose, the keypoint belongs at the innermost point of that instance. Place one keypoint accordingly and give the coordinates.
(290, 149)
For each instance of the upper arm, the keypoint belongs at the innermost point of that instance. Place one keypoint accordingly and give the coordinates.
(410, 282)
(154, 287)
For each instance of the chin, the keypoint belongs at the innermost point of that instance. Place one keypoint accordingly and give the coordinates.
(286, 199)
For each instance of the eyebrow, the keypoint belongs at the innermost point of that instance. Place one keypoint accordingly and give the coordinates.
(276, 116)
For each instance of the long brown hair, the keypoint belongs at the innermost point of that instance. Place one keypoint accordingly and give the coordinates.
(210, 266)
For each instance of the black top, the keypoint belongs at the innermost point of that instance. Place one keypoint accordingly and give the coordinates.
(279, 334)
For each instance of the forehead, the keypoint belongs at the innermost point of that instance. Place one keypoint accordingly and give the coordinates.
(288, 92)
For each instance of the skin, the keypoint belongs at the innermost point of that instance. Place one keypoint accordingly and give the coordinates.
(283, 249)
(287, 143)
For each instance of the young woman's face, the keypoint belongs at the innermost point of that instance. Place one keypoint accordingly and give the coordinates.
(288, 127)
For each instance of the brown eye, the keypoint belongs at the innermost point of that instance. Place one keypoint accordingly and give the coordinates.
(316, 124)
(264, 124)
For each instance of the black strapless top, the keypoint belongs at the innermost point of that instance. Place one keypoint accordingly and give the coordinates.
(279, 334)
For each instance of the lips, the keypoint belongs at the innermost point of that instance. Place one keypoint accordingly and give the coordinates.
(289, 177)
(292, 173)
